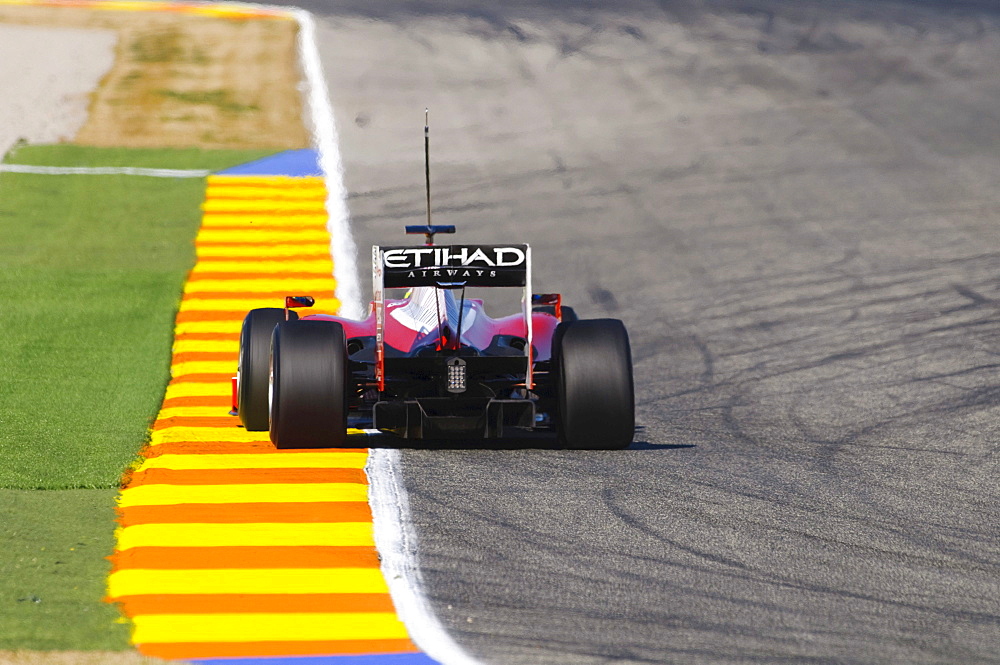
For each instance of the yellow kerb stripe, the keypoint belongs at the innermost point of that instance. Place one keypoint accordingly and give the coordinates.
(265, 182)
(269, 206)
(326, 460)
(217, 389)
(195, 434)
(203, 367)
(240, 235)
(263, 268)
(194, 412)
(227, 326)
(168, 495)
(251, 535)
(269, 252)
(255, 215)
(203, 345)
(222, 10)
(152, 628)
(252, 214)
(136, 581)
(225, 10)
(314, 192)
(320, 282)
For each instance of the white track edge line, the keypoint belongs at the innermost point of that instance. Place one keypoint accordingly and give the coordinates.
(397, 545)
(394, 540)
(324, 131)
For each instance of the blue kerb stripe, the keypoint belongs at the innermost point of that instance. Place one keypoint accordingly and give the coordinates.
(295, 163)
(367, 659)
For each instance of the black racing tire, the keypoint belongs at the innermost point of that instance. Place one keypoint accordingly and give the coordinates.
(595, 395)
(309, 385)
(252, 371)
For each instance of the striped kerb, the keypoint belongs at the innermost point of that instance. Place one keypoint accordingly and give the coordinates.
(229, 10)
(228, 547)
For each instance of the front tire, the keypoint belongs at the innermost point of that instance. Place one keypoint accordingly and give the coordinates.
(252, 371)
(309, 380)
(594, 390)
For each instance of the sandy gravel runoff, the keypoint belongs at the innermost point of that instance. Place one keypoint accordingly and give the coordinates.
(173, 80)
(46, 78)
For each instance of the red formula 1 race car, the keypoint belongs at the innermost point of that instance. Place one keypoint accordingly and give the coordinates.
(433, 364)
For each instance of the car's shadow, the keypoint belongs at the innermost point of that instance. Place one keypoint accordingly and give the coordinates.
(526, 441)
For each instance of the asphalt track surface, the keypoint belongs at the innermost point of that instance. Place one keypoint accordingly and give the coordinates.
(794, 208)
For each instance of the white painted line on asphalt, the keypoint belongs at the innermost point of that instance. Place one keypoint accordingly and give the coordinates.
(397, 545)
(103, 170)
(394, 539)
(324, 131)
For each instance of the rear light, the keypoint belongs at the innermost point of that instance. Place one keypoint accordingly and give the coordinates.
(236, 393)
(292, 302)
(456, 379)
(553, 300)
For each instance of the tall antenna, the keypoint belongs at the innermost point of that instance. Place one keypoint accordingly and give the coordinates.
(427, 161)
(427, 229)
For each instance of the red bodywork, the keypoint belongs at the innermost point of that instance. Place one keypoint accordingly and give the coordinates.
(478, 334)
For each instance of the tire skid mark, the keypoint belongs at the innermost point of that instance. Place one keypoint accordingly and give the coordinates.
(227, 547)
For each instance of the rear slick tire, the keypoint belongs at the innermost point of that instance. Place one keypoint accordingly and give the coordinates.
(594, 390)
(252, 371)
(309, 381)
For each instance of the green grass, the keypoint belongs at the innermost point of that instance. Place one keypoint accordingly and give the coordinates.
(53, 571)
(93, 268)
(176, 158)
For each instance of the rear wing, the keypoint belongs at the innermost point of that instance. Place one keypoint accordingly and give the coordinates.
(449, 267)
(454, 266)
